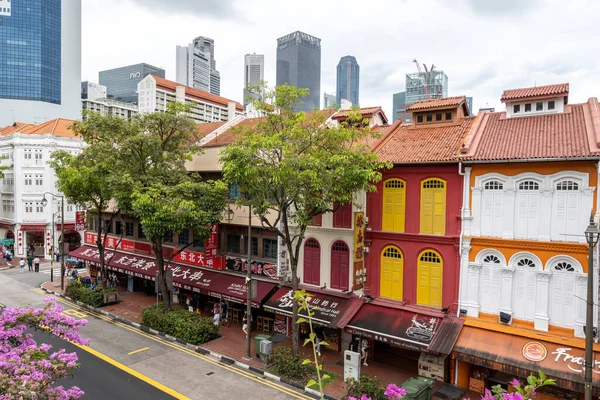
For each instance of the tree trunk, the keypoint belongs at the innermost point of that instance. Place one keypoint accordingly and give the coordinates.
(100, 244)
(162, 274)
(295, 326)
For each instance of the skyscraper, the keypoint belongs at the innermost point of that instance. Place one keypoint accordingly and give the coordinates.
(40, 60)
(329, 100)
(348, 73)
(196, 65)
(299, 64)
(254, 73)
(122, 83)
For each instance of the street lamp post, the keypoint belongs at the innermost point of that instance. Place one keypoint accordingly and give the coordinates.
(62, 236)
(592, 233)
(249, 283)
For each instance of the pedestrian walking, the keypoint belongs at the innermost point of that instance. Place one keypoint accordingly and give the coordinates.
(22, 266)
(320, 337)
(245, 323)
(216, 317)
(364, 352)
(8, 255)
(36, 264)
(224, 313)
(30, 263)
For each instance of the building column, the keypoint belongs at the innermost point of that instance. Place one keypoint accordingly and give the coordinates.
(464, 274)
(506, 290)
(508, 226)
(466, 216)
(541, 319)
(580, 306)
(473, 288)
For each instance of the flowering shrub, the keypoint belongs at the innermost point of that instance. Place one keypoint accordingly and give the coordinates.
(392, 392)
(28, 370)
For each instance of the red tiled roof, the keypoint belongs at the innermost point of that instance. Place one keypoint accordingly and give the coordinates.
(195, 93)
(408, 144)
(436, 103)
(536, 92)
(12, 128)
(366, 112)
(574, 133)
(56, 127)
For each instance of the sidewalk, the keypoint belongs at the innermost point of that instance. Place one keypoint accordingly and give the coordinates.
(232, 344)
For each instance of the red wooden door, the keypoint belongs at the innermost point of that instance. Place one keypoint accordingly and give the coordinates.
(340, 266)
(312, 262)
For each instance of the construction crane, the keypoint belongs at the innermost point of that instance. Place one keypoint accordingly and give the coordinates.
(426, 79)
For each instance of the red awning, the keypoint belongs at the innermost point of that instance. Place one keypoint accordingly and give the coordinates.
(33, 228)
(67, 226)
(333, 311)
(234, 288)
(7, 225)
(401, 327)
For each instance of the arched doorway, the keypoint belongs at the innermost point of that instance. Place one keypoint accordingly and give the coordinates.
(340, 265)
(312, 262)
(391, 279)
(73, 238)
(429, 275)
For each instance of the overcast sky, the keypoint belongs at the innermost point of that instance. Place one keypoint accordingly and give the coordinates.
(484, 46)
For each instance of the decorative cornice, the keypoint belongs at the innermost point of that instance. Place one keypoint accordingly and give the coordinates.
(530, 245)
(474, 267)
(543, 276)
(508, 271)
(413, 237)
(581, 280)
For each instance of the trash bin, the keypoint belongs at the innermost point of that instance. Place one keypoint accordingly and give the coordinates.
(418, 388)
(257, 340)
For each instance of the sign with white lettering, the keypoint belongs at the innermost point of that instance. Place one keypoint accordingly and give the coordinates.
(327, 307)
(135, 75)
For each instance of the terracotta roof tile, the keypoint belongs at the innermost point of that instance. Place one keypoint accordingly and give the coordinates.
(57, 127)
(366, 112)
(535, 92)
(436, 103)
(196, 93)
(12, 128)
(205, 129)
(565, 135)
(408, 144)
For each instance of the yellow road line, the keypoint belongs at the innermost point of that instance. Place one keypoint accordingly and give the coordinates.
(138, 351)
(133, 372)
(248, 375)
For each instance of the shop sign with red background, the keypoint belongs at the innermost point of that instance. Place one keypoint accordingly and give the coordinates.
(80, 220)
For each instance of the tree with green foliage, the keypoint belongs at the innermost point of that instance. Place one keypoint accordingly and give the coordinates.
(161, 193)
(293, 166)
(90, 179)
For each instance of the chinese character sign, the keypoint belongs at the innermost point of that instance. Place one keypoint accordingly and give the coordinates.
(359, 236)
(80, 220)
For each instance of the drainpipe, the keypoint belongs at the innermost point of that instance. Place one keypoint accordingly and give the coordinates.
(460, 271)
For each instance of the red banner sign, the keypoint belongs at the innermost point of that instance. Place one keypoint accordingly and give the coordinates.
(211, 246)
(80, 220)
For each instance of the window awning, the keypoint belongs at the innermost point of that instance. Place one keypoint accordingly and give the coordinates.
(334, 311)
(405, 328)
(520, 356)
(67, 226)
(33, 228)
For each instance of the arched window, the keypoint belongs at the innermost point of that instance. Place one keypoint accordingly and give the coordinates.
(394, 205)
(527, 214)
(491, 270)
(563, 290)
(492, 209)
(433, 206)
(392, 274)
(526, 267)
(429, 276)
(340, 266)
(566, 207)
(312, 262)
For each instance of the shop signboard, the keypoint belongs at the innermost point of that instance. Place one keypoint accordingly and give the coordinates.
(359, 247)
(80, 220)
(264, 268)
(330, 307)
(211, 245)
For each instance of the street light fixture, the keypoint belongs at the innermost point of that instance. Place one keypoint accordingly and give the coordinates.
(62, 236)
(592, 234)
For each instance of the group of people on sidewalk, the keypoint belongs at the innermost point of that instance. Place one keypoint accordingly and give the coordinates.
(32, 263)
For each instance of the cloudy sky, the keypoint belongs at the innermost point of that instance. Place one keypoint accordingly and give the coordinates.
(484, 46)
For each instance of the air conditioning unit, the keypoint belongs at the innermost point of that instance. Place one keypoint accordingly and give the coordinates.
(266, 347)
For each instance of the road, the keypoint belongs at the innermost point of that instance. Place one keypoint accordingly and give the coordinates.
(122, 362)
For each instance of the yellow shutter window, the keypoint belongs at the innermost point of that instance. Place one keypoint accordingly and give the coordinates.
(429, 286)
(391, 274)
(433, 206)
(394, 205)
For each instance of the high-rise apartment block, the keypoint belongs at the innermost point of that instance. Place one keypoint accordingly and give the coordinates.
(121, 83)
(254, 73)
(299, 64)
(92, 91)
(196, 65)
(40, 60)
(348, 73)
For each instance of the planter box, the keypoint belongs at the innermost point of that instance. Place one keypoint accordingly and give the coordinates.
(476, 385)
(110, 298)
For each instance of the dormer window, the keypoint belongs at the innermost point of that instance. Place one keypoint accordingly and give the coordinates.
(517, 108)
(551, 105)
(528, 107)
(539, 106)
(448, 116)
(438, 116)
(420, 118)
(429, 117)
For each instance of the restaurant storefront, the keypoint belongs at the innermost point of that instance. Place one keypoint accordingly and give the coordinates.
(332, 316)
(417, 339)
(487, 358)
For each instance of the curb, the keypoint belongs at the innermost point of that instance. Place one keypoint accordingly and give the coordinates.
(198, 349)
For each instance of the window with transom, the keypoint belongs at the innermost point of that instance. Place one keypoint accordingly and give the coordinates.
(433, 206)
(391, 274)
(492, 209)
(491, 276)
(490, 258)
(563, 294)
(527, 212)
(529, 185)
(567, 223)
(525, 286)
(429, 279)
(340, 266)
(394, 205)
(312, 262)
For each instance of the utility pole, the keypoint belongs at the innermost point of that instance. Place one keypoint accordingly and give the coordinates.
(592, 233)
(249, 283)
